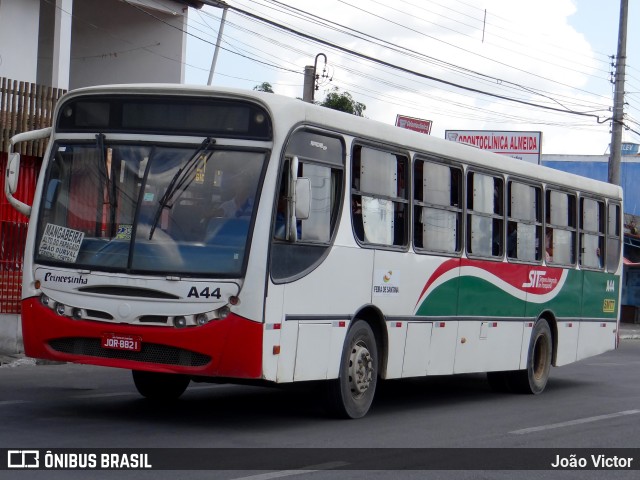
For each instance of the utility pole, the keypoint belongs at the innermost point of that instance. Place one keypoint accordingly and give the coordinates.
(224, 7)
(312, 79)
(615, 150)
(309, 83)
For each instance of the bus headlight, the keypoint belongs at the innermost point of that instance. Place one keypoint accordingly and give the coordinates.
(60, 309)
(223, 312)
(179, 322)
(201, 319)
(44, 300)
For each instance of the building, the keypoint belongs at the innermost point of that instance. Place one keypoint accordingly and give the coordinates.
(597, 167)
(76, 43)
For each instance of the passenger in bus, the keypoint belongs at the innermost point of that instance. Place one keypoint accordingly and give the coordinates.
(548, 245)
(241, 203)
(512, 240)
(356, 211)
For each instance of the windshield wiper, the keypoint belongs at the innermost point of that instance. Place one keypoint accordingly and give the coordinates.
(178, 181)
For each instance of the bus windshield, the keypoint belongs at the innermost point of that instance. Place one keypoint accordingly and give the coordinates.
(126, 207)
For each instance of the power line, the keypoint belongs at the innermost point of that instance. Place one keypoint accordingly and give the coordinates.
(407, 70)
(508, 40)
(412, 53)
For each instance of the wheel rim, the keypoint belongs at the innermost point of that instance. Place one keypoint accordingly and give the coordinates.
(361, 370)
(540, 353)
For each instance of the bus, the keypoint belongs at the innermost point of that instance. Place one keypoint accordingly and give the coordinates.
(218, 235)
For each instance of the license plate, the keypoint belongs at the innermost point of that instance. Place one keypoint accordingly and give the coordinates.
(115, 341)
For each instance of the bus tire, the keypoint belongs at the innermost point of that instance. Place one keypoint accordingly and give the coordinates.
(533, 379)
(351, 394)
(160, 386)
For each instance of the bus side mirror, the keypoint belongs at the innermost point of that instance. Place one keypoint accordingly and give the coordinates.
(303, 198)
(13, 173)
(13, 167)
(299, 200)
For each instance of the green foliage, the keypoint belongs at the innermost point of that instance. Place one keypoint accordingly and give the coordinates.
(264, 87)
(344, 102)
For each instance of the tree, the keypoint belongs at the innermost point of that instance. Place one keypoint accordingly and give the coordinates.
(343, 102)
(264, 87)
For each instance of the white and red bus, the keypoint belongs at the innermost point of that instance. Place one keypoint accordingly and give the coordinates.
(200, 234)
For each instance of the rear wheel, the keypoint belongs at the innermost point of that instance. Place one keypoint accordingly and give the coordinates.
(351, 395)
(160, 386)
(534, 378)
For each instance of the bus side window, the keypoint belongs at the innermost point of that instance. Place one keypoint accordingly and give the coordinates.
(524, 226)
(561, 226)
(292, 255)
(485, 217)
(592, 233)
(437, 207)
(613, 237)
(379, 197)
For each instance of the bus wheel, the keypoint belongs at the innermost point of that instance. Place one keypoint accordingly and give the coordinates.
(160, 386)
(351, 395)
(534, 379)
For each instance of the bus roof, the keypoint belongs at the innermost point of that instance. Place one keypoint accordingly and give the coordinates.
(299, 112)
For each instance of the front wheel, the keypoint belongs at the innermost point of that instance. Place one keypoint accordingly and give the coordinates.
(534, 379)
(160, 386)
(351, 395)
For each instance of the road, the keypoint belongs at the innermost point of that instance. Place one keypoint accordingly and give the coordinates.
(592, 404)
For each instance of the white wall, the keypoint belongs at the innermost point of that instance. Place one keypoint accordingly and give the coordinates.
(10, 333)
(19, 39)
(113, 42)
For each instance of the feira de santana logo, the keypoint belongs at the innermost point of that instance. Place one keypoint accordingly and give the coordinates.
(387, 283)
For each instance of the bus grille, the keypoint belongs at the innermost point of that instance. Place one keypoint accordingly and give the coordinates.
(150, 352)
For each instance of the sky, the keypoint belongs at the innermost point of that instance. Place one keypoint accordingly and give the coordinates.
(498, 65)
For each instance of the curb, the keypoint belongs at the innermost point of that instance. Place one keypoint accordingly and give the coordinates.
(18, 360)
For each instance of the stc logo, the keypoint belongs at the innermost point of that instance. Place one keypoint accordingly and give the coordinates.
(535, 279)
(23, 459)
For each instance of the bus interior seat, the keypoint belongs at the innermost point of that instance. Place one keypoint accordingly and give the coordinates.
(187, 220)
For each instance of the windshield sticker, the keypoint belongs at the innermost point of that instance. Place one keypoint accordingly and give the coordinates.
(148, 196)
(124, 232)
(60, 243)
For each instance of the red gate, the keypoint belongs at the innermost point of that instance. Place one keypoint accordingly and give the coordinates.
(13, 232)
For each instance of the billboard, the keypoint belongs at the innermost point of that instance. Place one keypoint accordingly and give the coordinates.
(521, 145)
(630, 148)
(415, 124)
